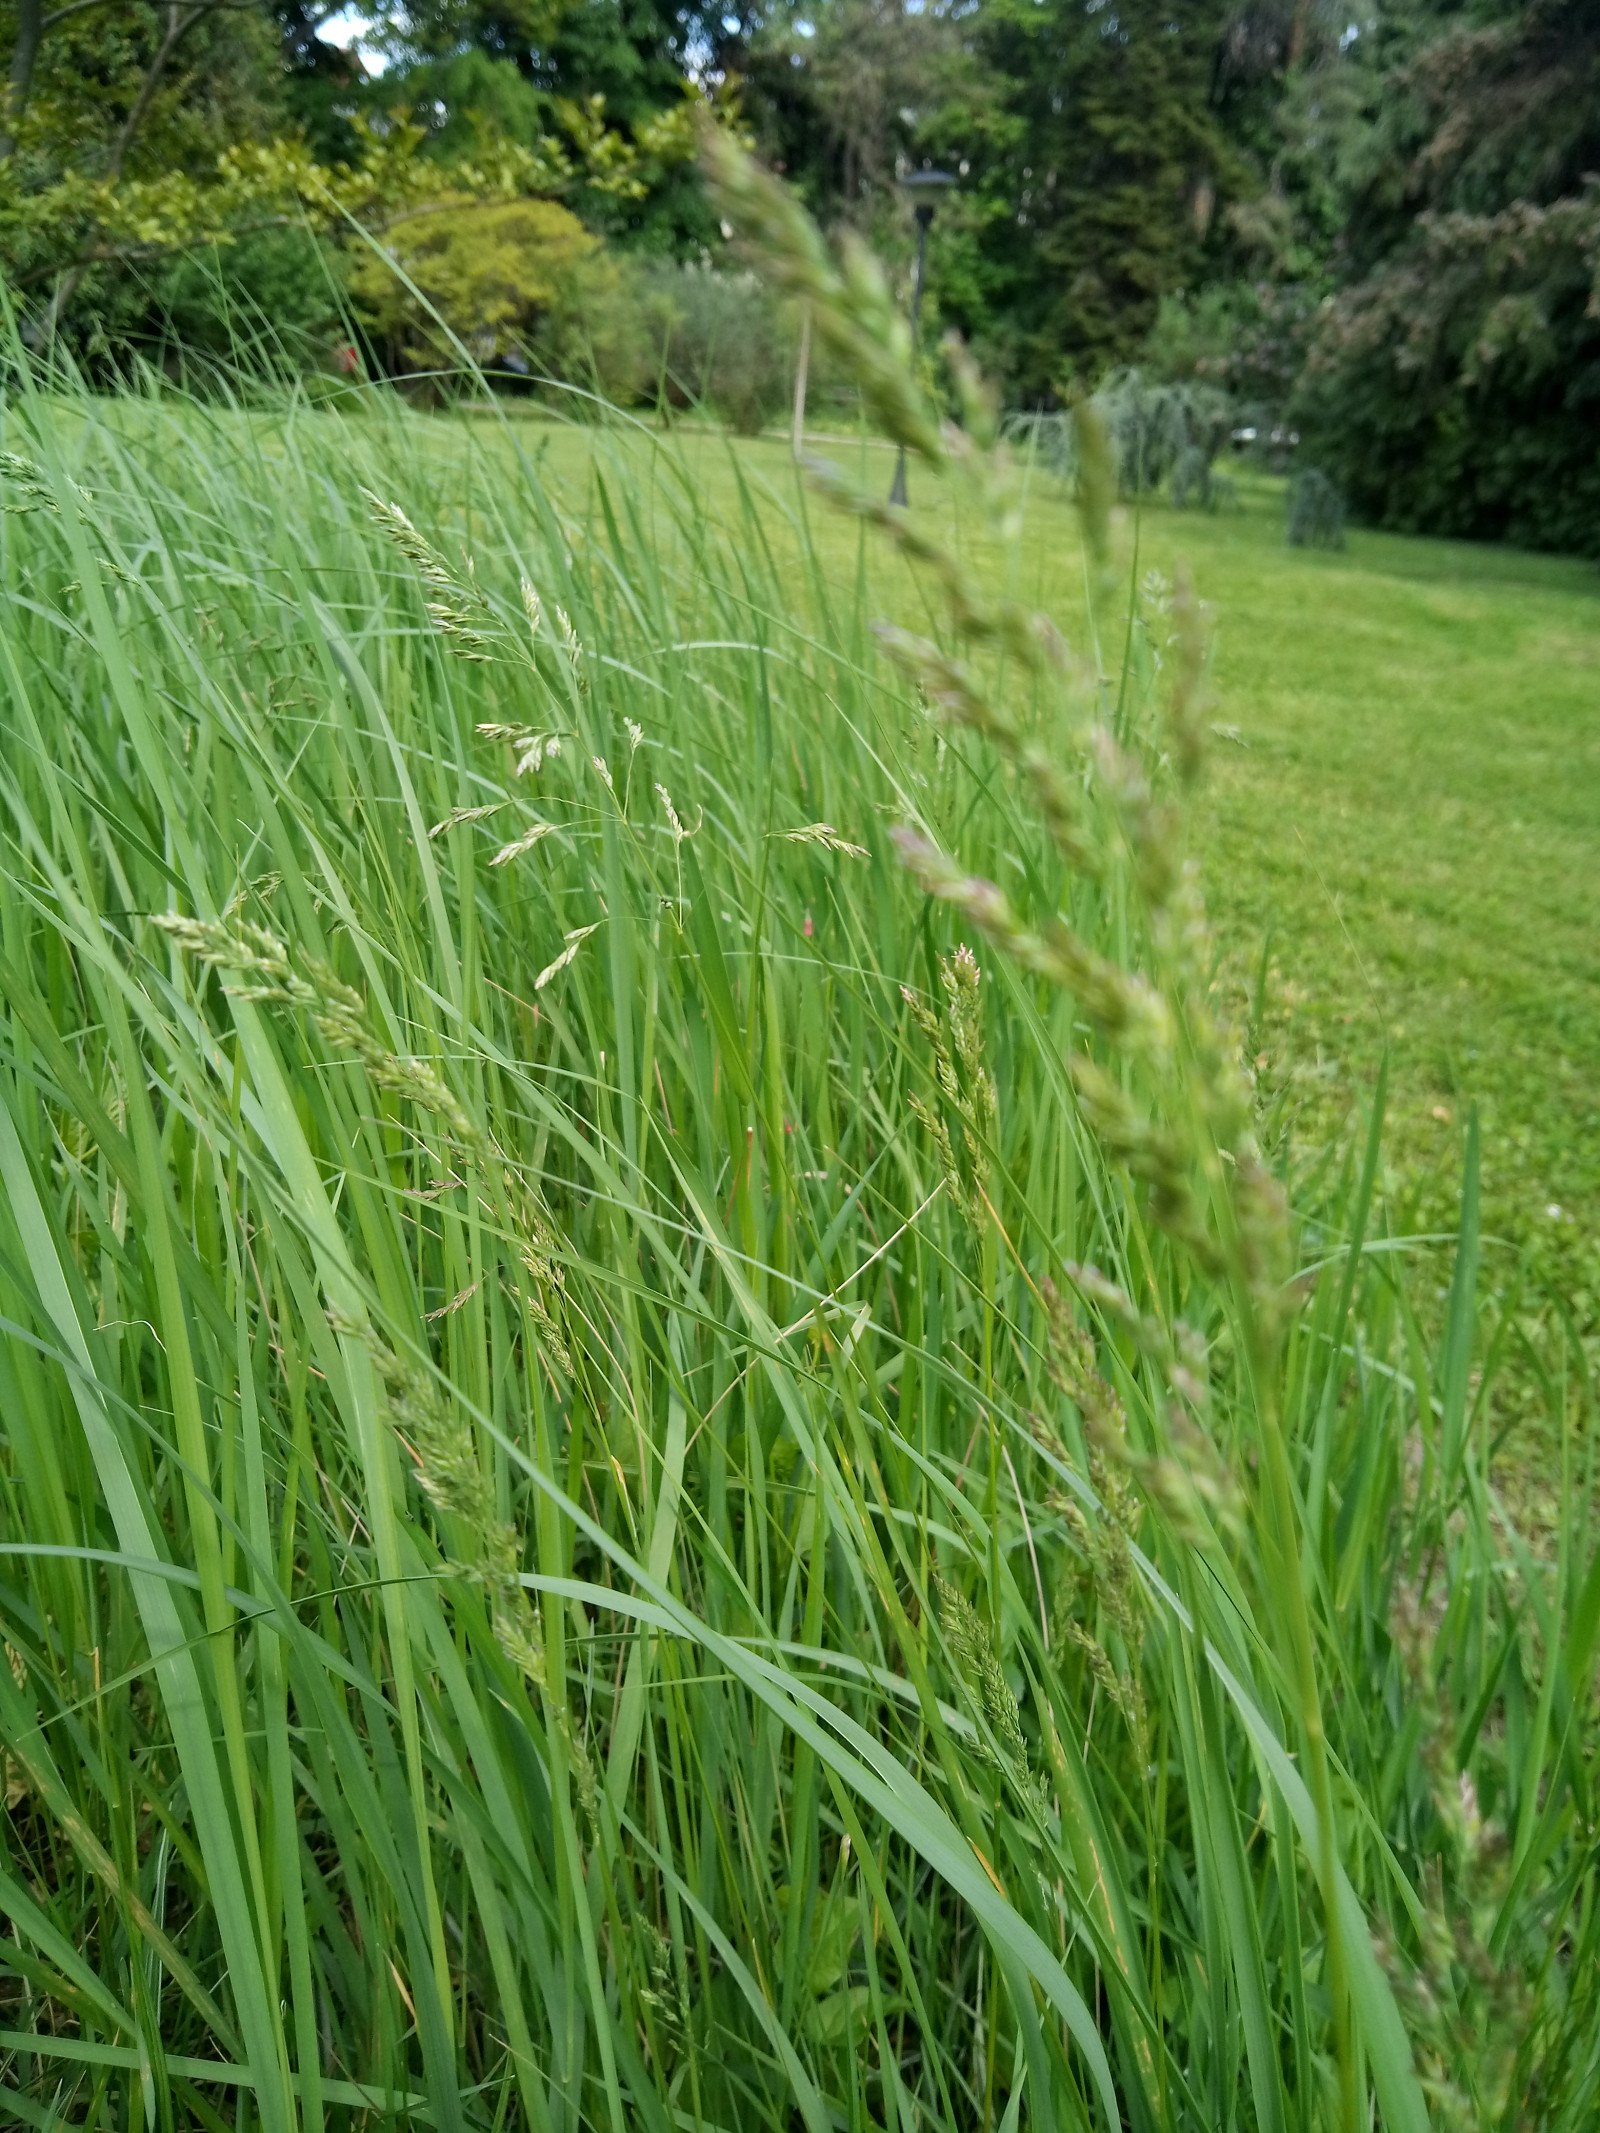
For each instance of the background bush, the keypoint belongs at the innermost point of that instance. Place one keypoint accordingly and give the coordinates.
(519, 278)
(275, 295)
(725, 344)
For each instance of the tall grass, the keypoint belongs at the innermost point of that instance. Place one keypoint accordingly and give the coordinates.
(618, 1509)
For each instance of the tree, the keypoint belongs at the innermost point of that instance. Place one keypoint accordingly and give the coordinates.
(158, 127)
(103, 83)
(94, 92)
(1291, 94)
(1098, 161)
(633, 54)
(473, 70)
(1454, 382)
(1471, 110)
(839, 94)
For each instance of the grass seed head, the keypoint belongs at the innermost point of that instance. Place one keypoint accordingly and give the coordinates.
(575, 940)
(825, 834)
(979, 1670)
(674, 825)
(534, 834)
(456, 606)
(459, 816)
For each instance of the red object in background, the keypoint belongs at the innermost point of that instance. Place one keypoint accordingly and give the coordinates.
(348, 358)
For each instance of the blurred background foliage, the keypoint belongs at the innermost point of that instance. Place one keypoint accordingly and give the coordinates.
(1373, 229)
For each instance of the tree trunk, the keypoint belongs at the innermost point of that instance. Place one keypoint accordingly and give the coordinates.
(24, 58)
(802, 372)
(178, 22)
(1298, 34)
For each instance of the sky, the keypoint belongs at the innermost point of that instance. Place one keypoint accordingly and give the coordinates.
(348, 28)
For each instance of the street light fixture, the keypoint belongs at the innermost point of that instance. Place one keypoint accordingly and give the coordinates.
(924, 187)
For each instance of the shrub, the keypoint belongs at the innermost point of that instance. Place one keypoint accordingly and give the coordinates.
(524, 285)
(1196, 484)
(519, 278)
(724, 343)
(273, 296)
(1158, 434)
(264, 304)
(1316, 511)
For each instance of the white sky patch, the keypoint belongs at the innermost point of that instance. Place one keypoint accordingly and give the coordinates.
(347, 31)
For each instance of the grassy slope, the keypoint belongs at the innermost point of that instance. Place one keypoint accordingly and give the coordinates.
(1409, 823)
(1414, 822)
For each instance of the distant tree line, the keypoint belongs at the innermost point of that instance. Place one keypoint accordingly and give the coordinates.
(1377, 225)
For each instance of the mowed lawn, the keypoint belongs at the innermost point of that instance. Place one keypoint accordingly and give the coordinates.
(1402, 812)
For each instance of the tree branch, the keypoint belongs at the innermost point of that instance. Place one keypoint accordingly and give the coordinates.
(73, 7)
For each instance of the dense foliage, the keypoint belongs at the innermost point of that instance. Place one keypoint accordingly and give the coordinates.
(189, 127)
(1454, 383)
(1101, 155)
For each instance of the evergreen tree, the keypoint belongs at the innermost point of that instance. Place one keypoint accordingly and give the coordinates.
(1100, 160)
(1454, 385)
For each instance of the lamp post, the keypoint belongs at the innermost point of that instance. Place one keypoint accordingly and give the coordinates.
(924, 186)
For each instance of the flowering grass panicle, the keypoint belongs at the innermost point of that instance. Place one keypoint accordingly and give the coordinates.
(572, 648)
(827, 836)
(978, 1667)
(675, 828)
(575, 940)
(1182, 1122)
(535, 833)
(459, 817)
(334, 1008)
(271, 976)
(966, 1090)
(24, 486)
(456, 605)
(1159, 1084)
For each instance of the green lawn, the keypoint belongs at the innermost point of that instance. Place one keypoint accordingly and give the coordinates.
(1403, 811)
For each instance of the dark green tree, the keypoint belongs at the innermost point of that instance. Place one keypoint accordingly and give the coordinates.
(1295, 89)
(518, 69)
(1110, 137)
(1454, 383)
(122, 89)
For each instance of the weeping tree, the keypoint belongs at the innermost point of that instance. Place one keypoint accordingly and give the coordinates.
(1162, 437)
